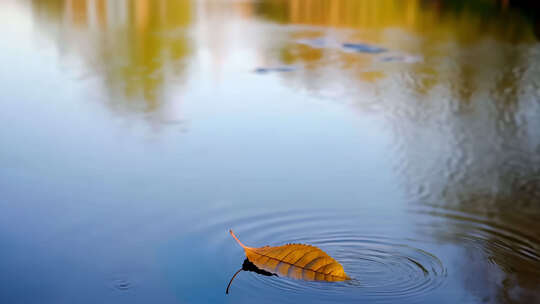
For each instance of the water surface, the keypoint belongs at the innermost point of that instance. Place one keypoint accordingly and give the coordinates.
(401, 137)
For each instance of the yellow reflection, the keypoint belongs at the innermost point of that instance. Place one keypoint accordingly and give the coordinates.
(431, 31)
(133, 45)
(447, 18)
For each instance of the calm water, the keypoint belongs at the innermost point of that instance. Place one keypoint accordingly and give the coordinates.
(401, 137)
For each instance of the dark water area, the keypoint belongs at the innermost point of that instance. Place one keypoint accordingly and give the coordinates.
(400, 137)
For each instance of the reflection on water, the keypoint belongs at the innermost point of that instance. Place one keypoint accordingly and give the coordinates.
(401, 136)
(136, 48)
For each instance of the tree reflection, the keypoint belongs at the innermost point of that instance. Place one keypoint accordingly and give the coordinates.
(433, 29)
(135, 47)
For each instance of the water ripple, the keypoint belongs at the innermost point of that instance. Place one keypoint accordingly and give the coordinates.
(507, 241)
(382, 267)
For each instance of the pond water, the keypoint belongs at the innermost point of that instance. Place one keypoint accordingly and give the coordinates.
(400, 137)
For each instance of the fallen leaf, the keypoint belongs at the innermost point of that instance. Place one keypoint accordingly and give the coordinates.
(297, 261)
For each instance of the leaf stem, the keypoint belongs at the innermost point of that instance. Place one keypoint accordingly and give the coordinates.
(234, 276)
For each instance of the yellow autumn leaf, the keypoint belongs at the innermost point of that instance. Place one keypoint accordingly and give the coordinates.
(297, 261)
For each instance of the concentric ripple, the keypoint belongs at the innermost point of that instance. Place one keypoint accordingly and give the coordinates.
(507, 240)
(382, 265)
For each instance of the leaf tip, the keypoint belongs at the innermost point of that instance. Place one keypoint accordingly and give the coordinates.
(237, 240)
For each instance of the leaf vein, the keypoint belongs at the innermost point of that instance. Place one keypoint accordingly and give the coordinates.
(331, 262)
(273, 258)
